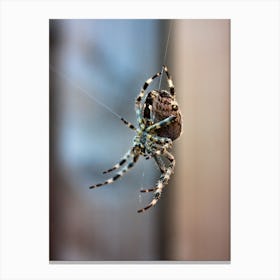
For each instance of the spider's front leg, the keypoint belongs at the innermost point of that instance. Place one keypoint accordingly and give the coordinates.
(169, 81)
(128, 124)
(167, 121)
(138, 102)
(161, 183)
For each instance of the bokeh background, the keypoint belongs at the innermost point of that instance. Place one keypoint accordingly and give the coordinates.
(98, 67)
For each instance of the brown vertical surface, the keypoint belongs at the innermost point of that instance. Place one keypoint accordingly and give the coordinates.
(200, 224)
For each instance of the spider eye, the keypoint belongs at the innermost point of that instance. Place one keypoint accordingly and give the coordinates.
(174, 107)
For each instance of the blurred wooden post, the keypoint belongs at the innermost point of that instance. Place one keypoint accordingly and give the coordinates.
(200, 223)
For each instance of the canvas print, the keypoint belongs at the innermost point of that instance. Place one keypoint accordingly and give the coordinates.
(139, 140)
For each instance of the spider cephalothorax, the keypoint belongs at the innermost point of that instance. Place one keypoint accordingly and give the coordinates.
(159, 123)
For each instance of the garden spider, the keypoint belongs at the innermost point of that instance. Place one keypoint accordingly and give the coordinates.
(159, 123)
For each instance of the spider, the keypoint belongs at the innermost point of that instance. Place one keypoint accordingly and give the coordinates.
(159, 123)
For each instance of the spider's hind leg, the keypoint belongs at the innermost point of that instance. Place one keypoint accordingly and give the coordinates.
(162, 169)
(119, 174)
(160, 164)
(119, 164)
(157, 194)
(161, 183)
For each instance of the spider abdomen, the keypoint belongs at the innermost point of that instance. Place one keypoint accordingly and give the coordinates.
(164, 106)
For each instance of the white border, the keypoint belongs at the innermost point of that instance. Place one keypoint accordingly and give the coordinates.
(255, 138)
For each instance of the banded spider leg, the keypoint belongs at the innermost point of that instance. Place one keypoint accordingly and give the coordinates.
(163, 181)
(133, 155)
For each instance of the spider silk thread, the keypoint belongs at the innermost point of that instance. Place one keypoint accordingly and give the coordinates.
(166, 48)
(65, 77)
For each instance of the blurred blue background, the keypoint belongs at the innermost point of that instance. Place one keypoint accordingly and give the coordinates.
(110, 60)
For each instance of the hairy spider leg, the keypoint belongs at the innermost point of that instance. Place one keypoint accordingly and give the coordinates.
(166, 176)
(157, 145)
(161, 183)
(160, 163)
(120, 163)
(147, 109)
(161, 123)
(159, 140)
(119, 174)
(128, 124)
(138, 102)
(161, 166)
(162, 169)
(148, 190)
(157, 194)
(169, 81)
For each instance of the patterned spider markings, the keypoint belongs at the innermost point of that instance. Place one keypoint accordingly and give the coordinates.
(159, 124)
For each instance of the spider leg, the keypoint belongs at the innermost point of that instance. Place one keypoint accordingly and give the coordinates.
(120, 163)
(166, 176)
(119, 174)
(138, 105)
(162, 123)
(169, 81)
(156, 145)
(128, 124)
(157, 194)
(161, 183)
(124, 159)
(148, 190)
(160, 140)
(162, 168)
(147, 107)
(160, 164)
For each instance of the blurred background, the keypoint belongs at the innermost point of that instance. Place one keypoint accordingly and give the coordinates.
(95, 62)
